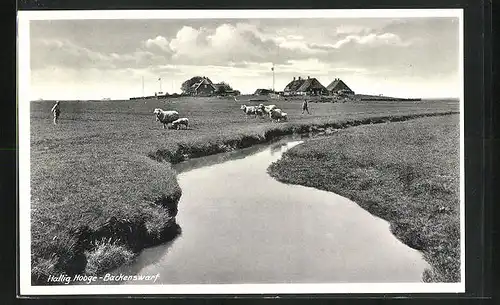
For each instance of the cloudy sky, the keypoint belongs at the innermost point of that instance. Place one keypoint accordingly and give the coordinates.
(94, 59)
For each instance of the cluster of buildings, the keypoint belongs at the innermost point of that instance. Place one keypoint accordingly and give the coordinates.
(297, 87)
(311, 86)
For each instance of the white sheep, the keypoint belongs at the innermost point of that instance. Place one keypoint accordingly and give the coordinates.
(182, 121)
(268, 108)
(166, 117)
(249, 109)
(277, 114)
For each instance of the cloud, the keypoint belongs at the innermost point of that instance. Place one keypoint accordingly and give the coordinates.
(159, 42)
(410, 47)
(299, 47)
(188, 41)
(295, 37)
(373, 40)
(416, 48)
(369, 40)
(220, 45)
(64, 53)
(351, 29)
(47, 52)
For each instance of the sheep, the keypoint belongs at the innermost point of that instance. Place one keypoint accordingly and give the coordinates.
(268, 108)
(278, 115)
(275, 114)
(182, 121)
(249, 109)
(166, 117)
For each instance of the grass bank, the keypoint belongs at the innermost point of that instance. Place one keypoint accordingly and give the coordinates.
(406, 173)
(96, 212)
(184, 150)
(99, 194)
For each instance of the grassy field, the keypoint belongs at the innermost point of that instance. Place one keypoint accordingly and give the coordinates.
(411, 180)
(99, 194)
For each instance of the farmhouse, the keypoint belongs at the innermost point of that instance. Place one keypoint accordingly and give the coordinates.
(309, 86)
(339, 87)
(203, 88)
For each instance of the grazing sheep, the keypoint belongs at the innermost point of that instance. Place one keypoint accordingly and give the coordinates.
(268, 108)
(182, 121)
(259, 112)
(166, 117)
(278, 115)
(249, 109)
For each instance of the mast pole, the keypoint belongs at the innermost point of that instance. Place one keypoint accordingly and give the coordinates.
(273, 76)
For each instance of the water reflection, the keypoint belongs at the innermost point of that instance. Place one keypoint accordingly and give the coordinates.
(217, 158)
(275, 147)
(148, 257)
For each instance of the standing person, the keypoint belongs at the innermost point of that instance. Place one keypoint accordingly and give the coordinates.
(56, 111)
(305, 107)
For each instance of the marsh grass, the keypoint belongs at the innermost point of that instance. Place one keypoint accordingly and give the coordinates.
(105, 256)
(111, 160)
(406, 173)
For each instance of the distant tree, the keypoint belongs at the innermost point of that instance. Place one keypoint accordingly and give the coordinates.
(186, 86)
(226, 85)
(221, 90)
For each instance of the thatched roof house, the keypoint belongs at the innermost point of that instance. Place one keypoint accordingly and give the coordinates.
(338, 86)
(293, 86)
(203, 88)
(309, 86)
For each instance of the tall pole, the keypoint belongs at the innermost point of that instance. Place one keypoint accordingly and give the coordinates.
(273, 76)
(143, 86)
(159, 79)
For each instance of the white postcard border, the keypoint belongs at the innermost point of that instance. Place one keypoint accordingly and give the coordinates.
(25, 287)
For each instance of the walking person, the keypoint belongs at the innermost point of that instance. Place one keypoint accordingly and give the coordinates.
(305, 107)
(56, 111)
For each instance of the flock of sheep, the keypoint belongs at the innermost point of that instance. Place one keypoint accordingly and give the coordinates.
(172, 117)
(272, 111)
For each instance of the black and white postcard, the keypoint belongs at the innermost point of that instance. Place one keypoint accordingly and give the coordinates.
(241, 152)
